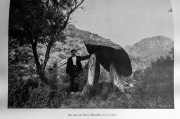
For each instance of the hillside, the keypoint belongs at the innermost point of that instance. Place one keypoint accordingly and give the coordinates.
(74, 39)
(141, 53)
(152, 87)
(149, 49)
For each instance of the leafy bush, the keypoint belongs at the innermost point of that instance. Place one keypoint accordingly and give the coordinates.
(155, 85)
(18, 92)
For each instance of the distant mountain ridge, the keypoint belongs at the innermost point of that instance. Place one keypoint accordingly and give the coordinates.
(150, 49)
(141, 53)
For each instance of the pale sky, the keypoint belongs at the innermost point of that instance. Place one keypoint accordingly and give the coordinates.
(126, 22)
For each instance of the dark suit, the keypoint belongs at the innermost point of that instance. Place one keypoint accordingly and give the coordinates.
(74, 70)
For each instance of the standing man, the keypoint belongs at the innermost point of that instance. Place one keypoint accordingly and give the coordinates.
(74, 67)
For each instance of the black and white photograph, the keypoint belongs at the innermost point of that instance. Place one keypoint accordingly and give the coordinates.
(90, 54)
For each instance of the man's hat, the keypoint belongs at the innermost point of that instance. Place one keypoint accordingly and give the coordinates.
(73, 50)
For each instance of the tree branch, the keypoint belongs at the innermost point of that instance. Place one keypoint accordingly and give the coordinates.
(35, 54)
(50, 44)
(70, 12)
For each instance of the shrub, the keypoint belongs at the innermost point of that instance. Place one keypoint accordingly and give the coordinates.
(155, 85)
(18, 92)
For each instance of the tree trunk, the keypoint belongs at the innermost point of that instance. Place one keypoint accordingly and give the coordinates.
(50, 44)
(35, 54)
(115, 78)
(41, 67)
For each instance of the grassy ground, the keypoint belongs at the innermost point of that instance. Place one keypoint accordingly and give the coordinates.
(153, 88)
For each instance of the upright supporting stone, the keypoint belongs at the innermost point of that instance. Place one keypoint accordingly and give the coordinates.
(97, 73)
(115, 78)
(93, 71)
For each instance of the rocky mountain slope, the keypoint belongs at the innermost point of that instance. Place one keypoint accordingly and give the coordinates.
(75, 37)
(148, 50)
(141, 53)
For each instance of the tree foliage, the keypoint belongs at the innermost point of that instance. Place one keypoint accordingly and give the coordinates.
(39, 21)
